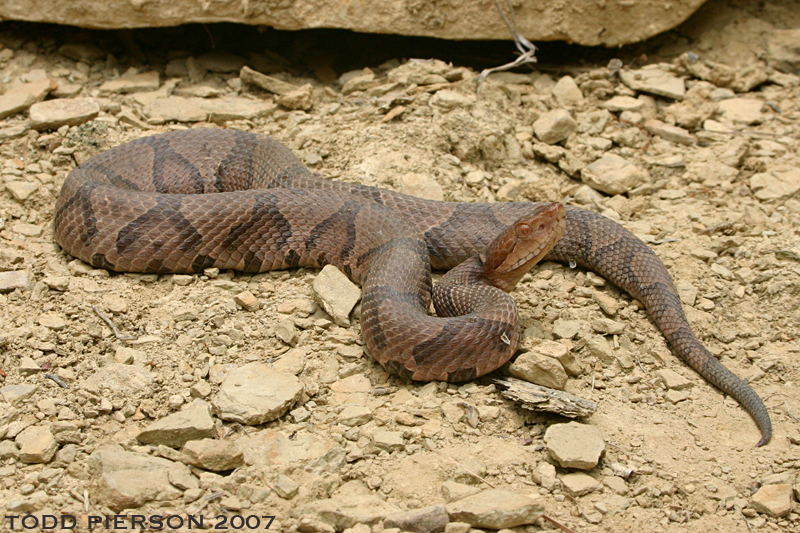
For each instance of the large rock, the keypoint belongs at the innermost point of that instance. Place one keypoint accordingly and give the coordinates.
(586, 23)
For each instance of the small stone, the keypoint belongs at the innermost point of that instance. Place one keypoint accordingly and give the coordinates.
(774, 500)
(613, 174)
(431, 519)
(623, 103)
(654, 81)
(566, 329)
(255, 394)
(57, 283)
(599, 347)
(201, 389)
(11, 104)
(575, 445)
(673, 380)
(247, 300)
(567, 92)
(52, 321)
(744, 110)
(421, 186)
(21, 190)
(27, 366)
(578, 483)
(269, 83)
(539, 369)
(453, 490)
(773, 185)
(390, 441)
(299, 98)
(545, 475)
(29, 230)
(15, 279)
(175, 109)
(193, 422)
(608, 304)
(131, 83)
(554, 126)
(496, 509)
(347, 510)
(37, 444)
(86, 52)
(449, 99)
(287, 332)
(783, 50)
(17, 394)
(676, 396)
(53, 114)
(336, 294)
(606, 326)
(355, 415)
(671, 133)
(213, 454)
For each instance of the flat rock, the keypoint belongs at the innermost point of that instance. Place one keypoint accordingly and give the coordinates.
(673, 380)
(421, 186)
(131, 83)
(554, 126)
(281, 451)
(575, 445)
(496, 509)
(298, 99)
(567, 92)
(578, 483)
(671, 133)
(119, 378)
(540, 369)
(355, 415)
(431, 519)
(269, 83)
(774, 500)
(53, 114)
(654, 81)
(11, 104)
(255, 394)
(771, 185)
(21, 190)
(37, 444)
(573, 21)
(613, 174)
(336, 294)
(783, 50)
(176, 109)
(127, 480)
(449, 99)
(212, 454)
(344, 512)
(744, 110)
(192, 422)
(16, 394)
(15, 279)
(623, 103)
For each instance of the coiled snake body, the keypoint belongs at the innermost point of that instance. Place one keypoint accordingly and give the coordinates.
(184, 201)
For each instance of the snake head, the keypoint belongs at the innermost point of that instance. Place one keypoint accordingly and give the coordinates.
(523, 244)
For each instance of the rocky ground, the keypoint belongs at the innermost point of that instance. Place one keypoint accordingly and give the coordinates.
(145, 395)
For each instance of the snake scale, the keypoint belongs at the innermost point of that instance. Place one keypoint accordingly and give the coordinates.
(181, 202)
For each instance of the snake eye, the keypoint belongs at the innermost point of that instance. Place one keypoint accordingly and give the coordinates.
(524, 230)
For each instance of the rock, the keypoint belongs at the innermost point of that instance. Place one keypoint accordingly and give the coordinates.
(255, 394)
(496, 509)
(453, 490)
(21, 190)
(346, 511)
(212, 454)
(86, 52)
(668, 132)
(53, 114)
(11, 104)
(126, 480)
(599, 347)
(774, 500)
(269, 83)
(29, 230)
(17, 394)
(286, 487)
(449, 99)
(575, 445)
(247, 300)
(131, 83)
(431, 519)
(567, 92)
(608, 304)
(12, 132)
(15, 279)
(606, 326)
(52, 321)
(37, 444)
(390, 441)
(27, 366)
(676, 396)
(540, 369)
(119, 378)
(578, 483)
(766, 186)
(744, 110)
(192, 422)
(545, 475)
(355, 415)
(277, 450)
(783, 50)
(654, 81)
(8, 450)
(554, 126)
(299, 98)
(336, 294)
(421, 186)
(566, 329)
(176, 109)
(673, 380)
(623, 103)
(221, 110)
(613, 174)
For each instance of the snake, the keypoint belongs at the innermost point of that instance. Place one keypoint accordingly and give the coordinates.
(185, 201)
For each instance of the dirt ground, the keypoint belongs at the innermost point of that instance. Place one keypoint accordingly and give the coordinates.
(734, 251)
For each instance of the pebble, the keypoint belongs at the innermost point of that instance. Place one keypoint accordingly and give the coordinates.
(255, 394)
(496, 509)
(575, 445)
(599, 347)
(192, 422)
(608, 304)
(579, 484)
(37, 444)
(671, 133)
(566, 329)
(743, 110)
(623, 103)
(269, 83)
(11, 104)
(86, 52)
(539, 369)
(567, 92)
(122, 379)
(247, 300)
(298, 99)
(545, 475)
(213, 454)
(453, 490)
(607, 326)
(17, 394)
(431, 519)
(449, 99)
(613, 174)
(554, 126)
(421, 186)
(774, 184)
(52, 321)
(52, 114)
(355, 415)
(654, 81)
(346, 511)
(390, 441)
(15, 279)
(774, 500)
(131, 83)
(21, 190)
(29, 230)
(27, 366)
(336, 294)
(286, 487)
(673, 380)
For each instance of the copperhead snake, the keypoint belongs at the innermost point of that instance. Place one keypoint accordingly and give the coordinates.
(184, 201)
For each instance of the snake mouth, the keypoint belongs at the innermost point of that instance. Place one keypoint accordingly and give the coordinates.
(523, 244)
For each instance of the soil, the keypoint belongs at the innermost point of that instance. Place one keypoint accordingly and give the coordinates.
(695, 466)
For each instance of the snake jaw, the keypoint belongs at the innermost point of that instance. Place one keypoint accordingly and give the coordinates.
(523, 244)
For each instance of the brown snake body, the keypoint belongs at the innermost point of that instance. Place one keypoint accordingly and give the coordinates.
(185, 201)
